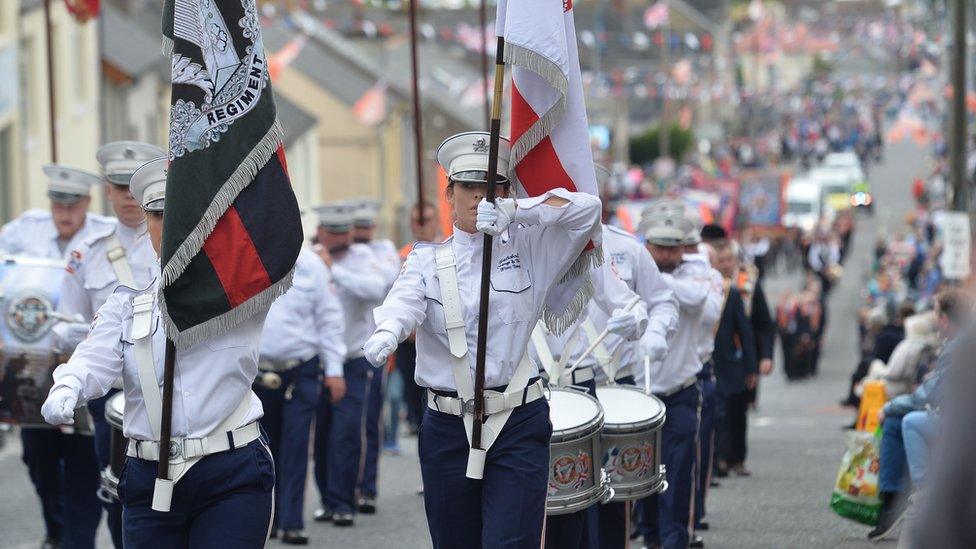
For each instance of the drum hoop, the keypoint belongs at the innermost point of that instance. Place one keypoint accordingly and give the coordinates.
(647, 425)
(584, 430)
(111, 416)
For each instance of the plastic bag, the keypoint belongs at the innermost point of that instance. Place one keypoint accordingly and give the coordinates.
(855, 495)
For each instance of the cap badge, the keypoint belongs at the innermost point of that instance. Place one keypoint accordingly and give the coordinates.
(480, 146)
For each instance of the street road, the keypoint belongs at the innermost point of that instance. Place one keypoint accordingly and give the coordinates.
(796, 437)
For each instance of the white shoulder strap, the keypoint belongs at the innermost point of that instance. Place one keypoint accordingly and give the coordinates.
(602, 354)
(141, 334)
(116, 256)
(457, 339)
(542, 348)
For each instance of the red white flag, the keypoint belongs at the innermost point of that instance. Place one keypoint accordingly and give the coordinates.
(370, 108)
(550, 133)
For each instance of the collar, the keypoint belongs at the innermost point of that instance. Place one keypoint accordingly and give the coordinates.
(468, 239)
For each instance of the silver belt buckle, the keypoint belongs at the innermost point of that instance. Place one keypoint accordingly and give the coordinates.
(175, 449)
(467, 406)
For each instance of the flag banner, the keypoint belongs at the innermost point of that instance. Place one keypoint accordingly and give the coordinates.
(550, 133)
(232, 227)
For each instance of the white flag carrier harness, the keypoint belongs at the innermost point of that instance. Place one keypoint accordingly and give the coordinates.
(116, 256)
(186, 452)
(498, 406)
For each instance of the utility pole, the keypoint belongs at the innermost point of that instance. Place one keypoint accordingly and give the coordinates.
(961, 195)
(664, 135)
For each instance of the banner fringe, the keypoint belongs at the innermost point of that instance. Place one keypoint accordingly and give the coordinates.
(221, 324)
(559, 323)
(241, 178)
(167, 46)
(550, 72)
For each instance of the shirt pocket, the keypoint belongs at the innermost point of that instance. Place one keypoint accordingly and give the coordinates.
(436, 320)
(101, 280)
(511, 295)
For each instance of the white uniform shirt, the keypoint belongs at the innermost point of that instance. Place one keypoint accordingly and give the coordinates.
(714, 303)
(528, 262)
(308, 320)
(692, 288)
(388, 258)
(33, 234)
(211, 377)
(362, 284)
(631, 261)
(90, 278)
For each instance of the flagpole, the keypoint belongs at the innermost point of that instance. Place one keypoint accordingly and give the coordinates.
(483, 20)
(496, 125)
(418, 130)
(166, 421)
(51, 93)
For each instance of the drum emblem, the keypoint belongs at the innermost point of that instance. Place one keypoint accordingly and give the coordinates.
(630, 461)
(28, 317)
(569, 471)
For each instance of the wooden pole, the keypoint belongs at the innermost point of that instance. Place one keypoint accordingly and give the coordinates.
(51, 89)
(664, 135)
(166, 421)
(418, 128)
(492, 178)
(483, 21)
(961, 198)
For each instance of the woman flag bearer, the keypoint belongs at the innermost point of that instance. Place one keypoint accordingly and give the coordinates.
(437, 294)
(224, 468)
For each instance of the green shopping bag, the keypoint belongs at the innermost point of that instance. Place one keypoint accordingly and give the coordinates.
(855, 495)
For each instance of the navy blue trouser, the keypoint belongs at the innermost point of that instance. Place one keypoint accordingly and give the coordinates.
(288, 413)
(578, 530)
(346, 438)
(667, 516)
(103, 445)
(706, 435)
(613, 516)
(64, 471)
(224, 501)
(374, 421)
(320, 445)
(507, 507)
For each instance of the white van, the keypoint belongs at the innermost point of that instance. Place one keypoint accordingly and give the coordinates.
(803, 204)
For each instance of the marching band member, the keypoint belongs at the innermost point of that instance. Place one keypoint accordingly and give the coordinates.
(63, 467)
(537, 241)
(388, 257)
(361, 283)
(304, 338)
(225, 470)
(122, 255)
(666, 517)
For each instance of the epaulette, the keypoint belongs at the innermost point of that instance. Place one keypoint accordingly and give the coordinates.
(99, 236)
(621, 232)
(122, 288)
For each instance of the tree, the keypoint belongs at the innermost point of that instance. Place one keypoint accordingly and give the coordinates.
(644, 148)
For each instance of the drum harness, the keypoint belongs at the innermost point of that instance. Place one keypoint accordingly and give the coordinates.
(116, 256)
(498, 406)
(183, 452)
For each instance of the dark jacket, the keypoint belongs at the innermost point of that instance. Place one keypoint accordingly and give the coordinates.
(734, 356)
(886, 341)
(763, 325)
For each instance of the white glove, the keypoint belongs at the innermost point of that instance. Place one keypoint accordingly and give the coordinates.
(494, 218)
(379, 347)
(67, 335)
(655, 346)
(59, 408)
(623, 324)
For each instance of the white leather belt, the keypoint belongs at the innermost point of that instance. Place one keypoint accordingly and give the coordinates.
(495, 402)
(580, 375)
(688, 383)
(189, 448)
(268, 365)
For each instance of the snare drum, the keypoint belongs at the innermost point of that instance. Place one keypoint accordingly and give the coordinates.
(114, 409)
(631, 440)
(574, 482)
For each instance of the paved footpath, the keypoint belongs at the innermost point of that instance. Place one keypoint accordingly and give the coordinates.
(796, 440)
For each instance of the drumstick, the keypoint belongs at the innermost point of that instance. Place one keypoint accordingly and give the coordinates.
(601, 337)
(647, 375)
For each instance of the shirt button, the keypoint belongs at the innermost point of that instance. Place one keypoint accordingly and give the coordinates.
(186, 393)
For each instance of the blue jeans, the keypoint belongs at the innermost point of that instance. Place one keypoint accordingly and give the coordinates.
(891, 477)
(504, 509)
(666, 516)
(346, 441)
(919, 431)
(223, 501)
(288, 413)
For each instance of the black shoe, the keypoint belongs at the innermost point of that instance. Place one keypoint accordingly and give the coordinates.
(696, 541)
(367, 506)
(49, 543)
(893, 507)
(721, 473)
(714, 484)
(294, 537)
(703, 526)
(322, 515)
(342, 519)
(273, 534)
